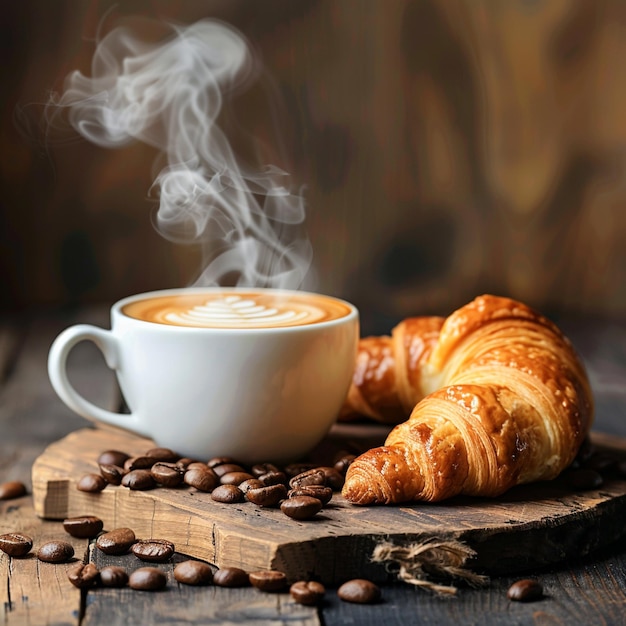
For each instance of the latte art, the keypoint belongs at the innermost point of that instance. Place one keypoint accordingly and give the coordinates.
(237, 310)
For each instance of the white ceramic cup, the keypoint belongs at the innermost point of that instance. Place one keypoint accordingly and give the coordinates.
(256, 394)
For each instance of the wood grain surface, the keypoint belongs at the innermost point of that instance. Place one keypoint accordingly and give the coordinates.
(583, 590)
(530, 526)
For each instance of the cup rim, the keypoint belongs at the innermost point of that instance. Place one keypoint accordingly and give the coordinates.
(116, 311)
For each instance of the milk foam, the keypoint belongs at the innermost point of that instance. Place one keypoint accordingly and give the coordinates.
(248, 309)
(236, 311)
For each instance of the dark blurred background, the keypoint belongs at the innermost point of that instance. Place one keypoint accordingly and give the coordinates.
(447, 148)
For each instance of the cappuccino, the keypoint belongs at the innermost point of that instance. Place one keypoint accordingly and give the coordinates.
(237, 309)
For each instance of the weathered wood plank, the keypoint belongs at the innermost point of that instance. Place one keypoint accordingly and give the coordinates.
(34, 592)
(529, 526)
(181, 604)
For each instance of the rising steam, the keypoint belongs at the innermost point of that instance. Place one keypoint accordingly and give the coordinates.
(169, 95)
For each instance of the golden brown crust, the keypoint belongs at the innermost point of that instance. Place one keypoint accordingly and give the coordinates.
(502, 400)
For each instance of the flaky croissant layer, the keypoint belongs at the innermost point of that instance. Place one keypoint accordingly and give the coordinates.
(496, 397)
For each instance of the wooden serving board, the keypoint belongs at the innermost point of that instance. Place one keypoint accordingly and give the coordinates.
(530, 526)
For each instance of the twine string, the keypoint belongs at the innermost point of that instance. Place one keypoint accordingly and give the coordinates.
(415, 563)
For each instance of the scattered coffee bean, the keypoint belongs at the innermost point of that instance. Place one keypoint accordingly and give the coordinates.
(91, 483)
(16, 544)
(234, 478)
(360, 591)
(584, 479)
(139, 480)
(185, 462)
(226, 468)
(153, 550)
(113, 457)
(525, 590)
(343, 463)
(263, 468)
(602, 462)
(12, 489)
(83, 527)
(293, 469)
(227, 494)
(167, 474)
(221, 460)
(113, 576)
(273, 478)
(268, 580)
(204, 479)
(333, 478)
(621, 469)
(55, 552)
(163, 454)
(301, 507)
(113, 474)
(322, 493)
(308, 593)
(267, 496)
(83, 575)
(117, 541)
(198, 465)
(251, 483)
(139, 462)
(231, 577)
(313, 476)
(193, 573)
(147, 579)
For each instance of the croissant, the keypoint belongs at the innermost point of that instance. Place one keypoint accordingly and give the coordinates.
(496, 397)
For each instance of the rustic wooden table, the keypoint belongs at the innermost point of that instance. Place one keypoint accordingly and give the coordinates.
(590, 590)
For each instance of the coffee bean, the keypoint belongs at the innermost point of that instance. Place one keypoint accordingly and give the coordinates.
(198, 465)
(116, 542)
(55, 552)
(12, 489)
(267, 496)
(193, 573)
(83, 527)
(163, 454)
(139, 480)
(139, 462)
(602, 462)
(113, 474)
(322, 493)
(185, 462)
(308, 593)
(204, 479)
(221, 460)
(268, 580)
(15, 544)
(525, 590)
(91, 483)
(227, 494)
(231, 577)
(113, 457)
(251, 483)
(147, 579)
(234, 478)
(301, 507)
(83, 575)
(313, 476)
(153, 550)
(167, 474)
(263, 468)
(113, 576)
(343, 463)
(360, 591)
(333, 478)
(293, 469)
(621, 469)
(584, 479)
(273, 478)
(226, 468)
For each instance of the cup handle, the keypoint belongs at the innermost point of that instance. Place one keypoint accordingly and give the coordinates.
(57, 372)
